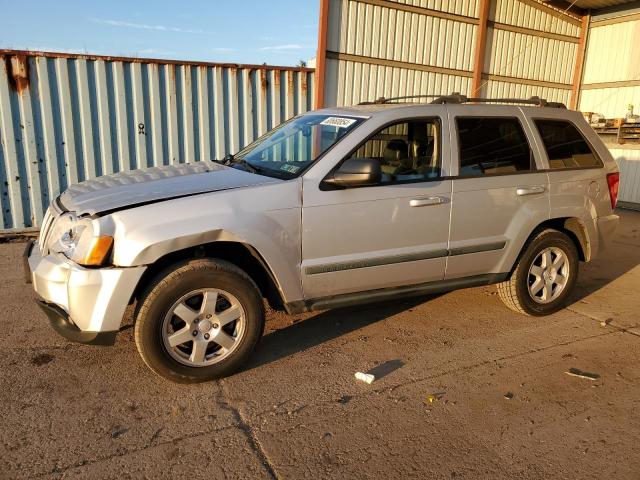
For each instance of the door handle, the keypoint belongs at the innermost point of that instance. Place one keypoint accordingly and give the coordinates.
(425, 202)
(530, 190)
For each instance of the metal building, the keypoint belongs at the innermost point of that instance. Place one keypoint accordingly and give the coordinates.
(583, 53)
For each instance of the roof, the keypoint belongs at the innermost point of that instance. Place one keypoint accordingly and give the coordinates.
(373, 109)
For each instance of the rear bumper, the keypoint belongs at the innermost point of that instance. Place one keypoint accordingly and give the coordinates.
(606, 227)
(81, 303)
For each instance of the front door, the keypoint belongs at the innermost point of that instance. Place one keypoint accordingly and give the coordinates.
(386, 235)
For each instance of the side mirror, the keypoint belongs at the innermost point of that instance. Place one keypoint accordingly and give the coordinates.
(355, 172)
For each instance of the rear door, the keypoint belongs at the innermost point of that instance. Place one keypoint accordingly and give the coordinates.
(500, 191)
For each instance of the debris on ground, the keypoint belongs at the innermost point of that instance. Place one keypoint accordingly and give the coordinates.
(433, 397)
(118, 431)
(574, 372)
(41, 359)
(365, 377)
(606, 322)
(508, 395)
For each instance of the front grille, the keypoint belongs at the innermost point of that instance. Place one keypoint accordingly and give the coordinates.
(45, 230)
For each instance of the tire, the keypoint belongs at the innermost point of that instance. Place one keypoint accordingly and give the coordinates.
(531, 288)
(187, 310)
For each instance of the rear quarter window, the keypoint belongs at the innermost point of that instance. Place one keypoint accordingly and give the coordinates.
(566, 147)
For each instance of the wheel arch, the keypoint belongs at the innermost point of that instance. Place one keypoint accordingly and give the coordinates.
(242, 255)
(573, 227)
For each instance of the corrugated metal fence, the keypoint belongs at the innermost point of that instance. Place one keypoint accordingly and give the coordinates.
(66, 118)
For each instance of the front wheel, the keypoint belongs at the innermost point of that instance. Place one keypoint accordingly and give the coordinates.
(544, 276)
(199, 321)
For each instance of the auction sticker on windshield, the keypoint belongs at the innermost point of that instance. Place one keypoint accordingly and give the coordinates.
(339, 122)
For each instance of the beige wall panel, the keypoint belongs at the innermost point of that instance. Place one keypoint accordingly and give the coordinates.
(513, 12)
(629, 164)
(497, 89)
(468, 8)
(358, 82)
(610, 102)
(526, 56)
(359, 28)
(613, 53)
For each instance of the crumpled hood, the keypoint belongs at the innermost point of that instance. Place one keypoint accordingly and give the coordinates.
(127, 189)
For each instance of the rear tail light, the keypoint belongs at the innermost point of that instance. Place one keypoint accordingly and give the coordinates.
(613, 180)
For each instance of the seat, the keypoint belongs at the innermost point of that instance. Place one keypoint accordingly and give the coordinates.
(396, 157)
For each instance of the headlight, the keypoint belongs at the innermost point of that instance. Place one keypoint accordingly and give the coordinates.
(75, 239)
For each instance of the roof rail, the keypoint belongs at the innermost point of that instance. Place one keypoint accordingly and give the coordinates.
(457, 98)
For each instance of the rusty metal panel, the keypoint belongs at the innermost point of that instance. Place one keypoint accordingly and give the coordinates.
(66, 118)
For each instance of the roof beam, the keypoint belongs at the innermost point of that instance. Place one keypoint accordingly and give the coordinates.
(481, 47)
(561, 13)
(579, 66)
(321, 55)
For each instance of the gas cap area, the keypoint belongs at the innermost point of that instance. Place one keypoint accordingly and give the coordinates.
(594, 189)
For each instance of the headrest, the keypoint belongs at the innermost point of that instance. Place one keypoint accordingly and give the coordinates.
(396, 150)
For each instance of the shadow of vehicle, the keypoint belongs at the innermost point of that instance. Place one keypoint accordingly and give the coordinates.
(622, 256)
(328, 325)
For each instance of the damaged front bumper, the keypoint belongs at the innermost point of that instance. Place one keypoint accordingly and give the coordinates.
(84, 305)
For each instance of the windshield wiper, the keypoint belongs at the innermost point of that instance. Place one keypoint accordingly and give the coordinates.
(248, 166)
(226, 160)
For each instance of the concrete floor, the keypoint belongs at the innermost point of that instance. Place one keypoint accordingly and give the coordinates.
(297, 412)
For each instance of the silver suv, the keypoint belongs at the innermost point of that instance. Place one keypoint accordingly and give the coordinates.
(335, 207)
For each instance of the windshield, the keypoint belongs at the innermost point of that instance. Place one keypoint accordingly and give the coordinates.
(287, 150)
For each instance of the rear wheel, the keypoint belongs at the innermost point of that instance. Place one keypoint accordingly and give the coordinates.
(199, 321)
(544, 277)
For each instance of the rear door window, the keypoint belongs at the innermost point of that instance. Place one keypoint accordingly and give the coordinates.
(565, 145)
(493, 146)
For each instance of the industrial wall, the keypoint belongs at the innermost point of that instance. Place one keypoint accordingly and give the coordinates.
(611, 82)
(67, 118)
(611, 79)
(628, 160)
(531, 50)
(514, 48)
(380, 48)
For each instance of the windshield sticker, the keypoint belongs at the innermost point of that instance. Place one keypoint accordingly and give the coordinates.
(339, 122)
(290, 168)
